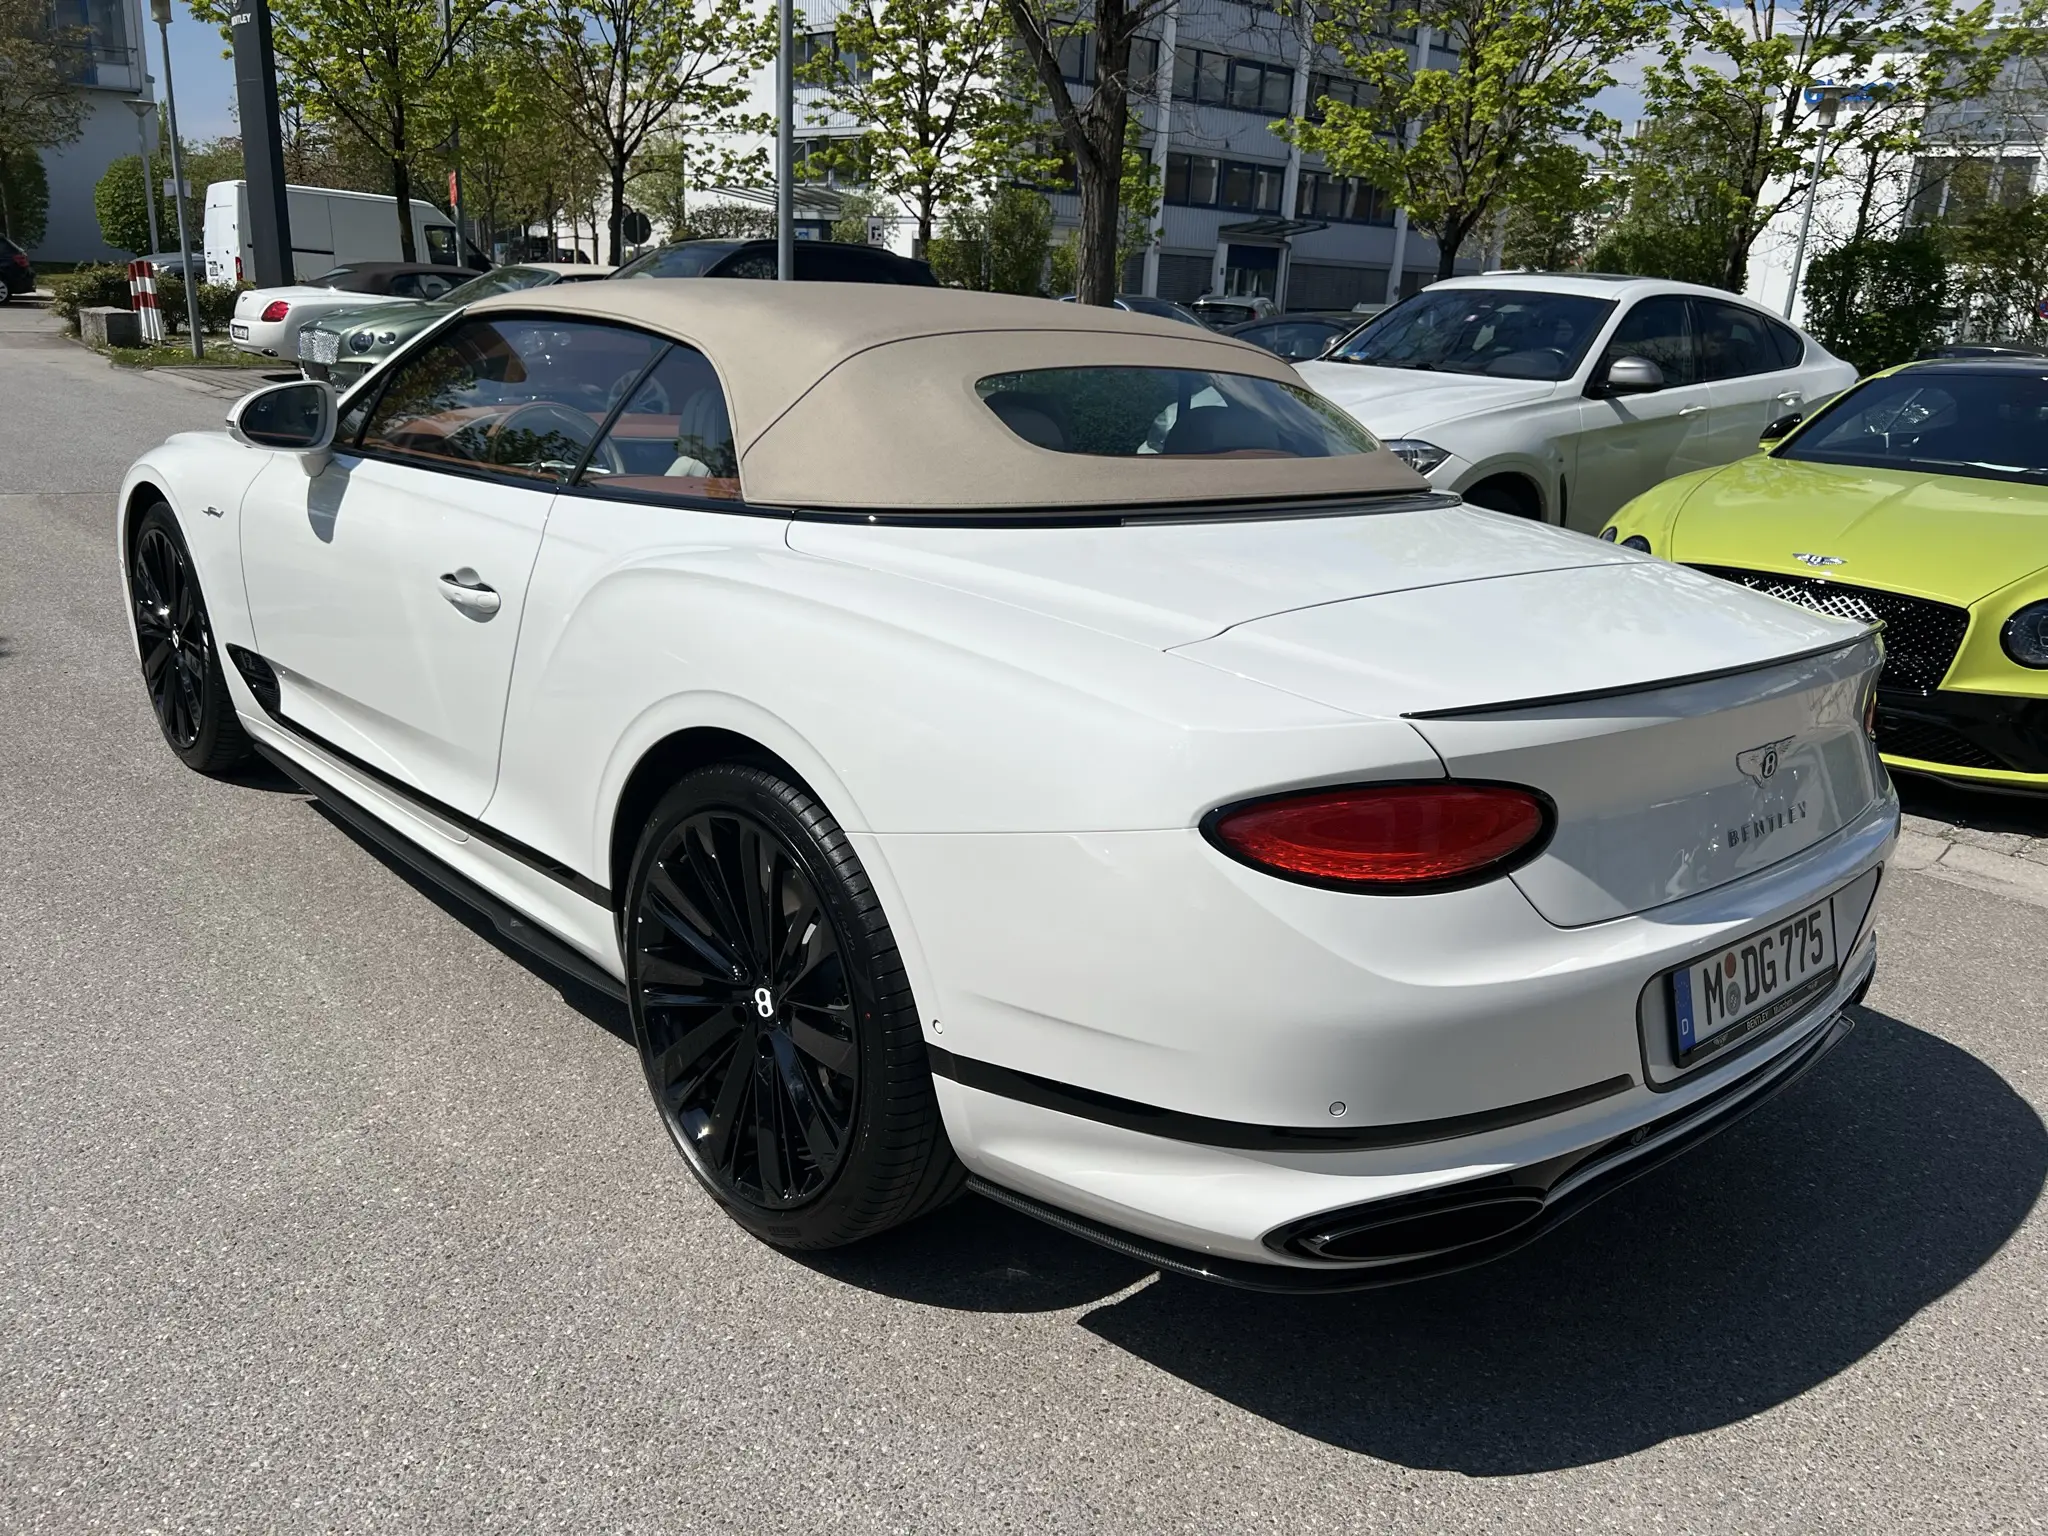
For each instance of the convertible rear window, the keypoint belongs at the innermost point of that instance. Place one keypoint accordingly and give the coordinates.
(1170, 413)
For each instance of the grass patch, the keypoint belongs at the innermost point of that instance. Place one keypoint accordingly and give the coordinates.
(176, 354)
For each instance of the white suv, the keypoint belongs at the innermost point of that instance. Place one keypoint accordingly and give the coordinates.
(1504, 386)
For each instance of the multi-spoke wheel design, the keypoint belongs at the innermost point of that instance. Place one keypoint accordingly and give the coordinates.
(180, 665)
(751, 1029)
(775, 1024)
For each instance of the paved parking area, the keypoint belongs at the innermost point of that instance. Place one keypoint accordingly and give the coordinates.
(319, 1210)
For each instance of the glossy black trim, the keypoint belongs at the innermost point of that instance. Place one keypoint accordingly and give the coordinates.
(1201, 1130)
(1651, 685)
(2009, 727)
(1487, 872)
(536, 941)
(489, 836)
(1592, 1174)
(1250, 509)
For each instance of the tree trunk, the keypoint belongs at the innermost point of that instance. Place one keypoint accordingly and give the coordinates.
(616, 223)
(1100, 183)
(1870, 169)
(401, 189)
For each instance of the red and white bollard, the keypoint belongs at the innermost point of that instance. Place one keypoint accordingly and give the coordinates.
(142, 297)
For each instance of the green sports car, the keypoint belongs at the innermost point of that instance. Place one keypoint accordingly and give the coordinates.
(347, 344)
(1919, 498)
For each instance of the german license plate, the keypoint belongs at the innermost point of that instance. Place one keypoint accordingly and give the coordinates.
(237, 330)
(1761, 979)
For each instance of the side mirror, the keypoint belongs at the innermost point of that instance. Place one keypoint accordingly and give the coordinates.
(1778, 429)
(1632, 376)
(296, 418)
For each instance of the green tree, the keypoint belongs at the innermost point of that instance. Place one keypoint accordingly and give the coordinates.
(378, 69)
(40, 104)
(1755, 76)
(1456, 141)
(1878, 302)
(1678, 207)
(933, 81)
(626, 71)
(24, 197)
(119, 201)
(1998, 257)
(997, 246)
(1095, 132)
(1551, 220)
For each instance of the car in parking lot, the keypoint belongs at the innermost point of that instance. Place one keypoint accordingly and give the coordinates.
(1042, 749)
(16, 275)
(1145, 304)
(1295, 336)
(343, 346)
(1918, 500)
(1560, 397)
(817, 261)
(267, 321)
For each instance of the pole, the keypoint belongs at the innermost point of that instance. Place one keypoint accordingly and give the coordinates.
(162, 10)
(142, 111)
(270, 224)
(1820, 155)
(785, 144)
(454, 138)
(1162, 138)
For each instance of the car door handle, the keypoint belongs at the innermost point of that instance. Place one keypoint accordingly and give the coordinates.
(1790, 397)
(471, 593)
(1692, 410)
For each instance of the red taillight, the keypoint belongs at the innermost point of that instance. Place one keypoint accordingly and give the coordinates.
(238, 269)
(1386, 836)
(276, 309)
(21, 258)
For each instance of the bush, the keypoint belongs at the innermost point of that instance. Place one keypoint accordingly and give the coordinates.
(216, 301)
(1877, 302)
(1000, 246)
(120, 202)
(24, 195)
(87, 288)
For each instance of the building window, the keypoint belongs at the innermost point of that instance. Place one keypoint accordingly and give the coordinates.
(1338, 90)
(822, 160)
(1951, 187)
(1341, 200)
(813, 48)
(1144, 66)
(1217, 80)
(1077, 66)
(1203, 181)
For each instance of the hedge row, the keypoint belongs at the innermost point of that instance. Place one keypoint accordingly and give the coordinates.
(91, 287)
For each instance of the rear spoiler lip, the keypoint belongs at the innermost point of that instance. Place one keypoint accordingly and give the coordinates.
(1588, 695)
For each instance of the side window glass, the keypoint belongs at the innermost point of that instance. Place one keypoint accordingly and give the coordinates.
(431, 285)
(406, 285)
(754, 264)
(521, 396)
(1791, 347)
(1660, 330)
(1734, 341)
(673, 438)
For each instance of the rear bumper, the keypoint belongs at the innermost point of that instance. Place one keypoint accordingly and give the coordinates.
(1980, 738)
(1139, 1034)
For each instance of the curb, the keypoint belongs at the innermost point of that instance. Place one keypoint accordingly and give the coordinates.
(1982, 869)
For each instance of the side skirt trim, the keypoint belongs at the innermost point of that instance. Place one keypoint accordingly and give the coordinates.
(1151, 1120)
(536, 941)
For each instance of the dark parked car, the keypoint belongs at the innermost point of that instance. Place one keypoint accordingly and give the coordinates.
(1968, 349)
(16, 275)
(817, 261)
(1295, 337)
(1144, 304)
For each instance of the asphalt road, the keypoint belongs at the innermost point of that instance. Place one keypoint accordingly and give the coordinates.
(319, 1210)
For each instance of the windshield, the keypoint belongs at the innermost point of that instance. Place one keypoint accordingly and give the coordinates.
(1170, 413)
(1503, 333)
(503, 280)
(333, 277)
(678, 260)
(1992, 424)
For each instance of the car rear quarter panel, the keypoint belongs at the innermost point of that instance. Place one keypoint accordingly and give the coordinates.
(908, 706)
(203, 476)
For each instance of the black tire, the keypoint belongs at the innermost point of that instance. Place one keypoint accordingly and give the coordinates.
(1515, 497)
(775, 1023)
(180, 660)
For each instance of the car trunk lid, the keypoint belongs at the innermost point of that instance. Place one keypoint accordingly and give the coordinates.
(1688, 733)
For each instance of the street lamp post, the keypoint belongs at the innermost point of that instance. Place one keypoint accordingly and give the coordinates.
(161, 10)
(1829, 104)
(785, 143)
(143, 110)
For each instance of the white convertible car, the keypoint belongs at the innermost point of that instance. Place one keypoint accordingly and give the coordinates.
(1046, 750)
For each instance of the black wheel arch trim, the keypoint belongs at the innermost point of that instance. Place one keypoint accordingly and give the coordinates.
(1234, 1135)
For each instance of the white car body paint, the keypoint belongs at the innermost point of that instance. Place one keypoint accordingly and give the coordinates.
(1589, 455)
(304, 304)
(1021, 730)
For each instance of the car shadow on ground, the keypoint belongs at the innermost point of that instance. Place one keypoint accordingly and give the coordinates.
(1984, 809)
(1750, 1271)
(607, 1013)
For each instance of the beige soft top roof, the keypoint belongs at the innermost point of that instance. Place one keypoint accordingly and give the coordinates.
(861, 397)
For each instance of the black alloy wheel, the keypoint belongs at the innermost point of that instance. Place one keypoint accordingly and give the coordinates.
(774, 1020)
(180, 663)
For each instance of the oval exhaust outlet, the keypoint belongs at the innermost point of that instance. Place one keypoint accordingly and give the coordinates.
(1412, 1232)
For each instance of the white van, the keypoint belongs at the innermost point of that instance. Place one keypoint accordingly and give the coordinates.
(329, 229)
